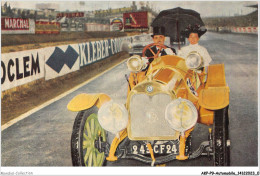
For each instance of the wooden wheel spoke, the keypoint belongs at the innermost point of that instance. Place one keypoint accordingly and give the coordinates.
(88, 130)
(97, 128)
(92, 126)
(100, 158)
(90, 159)
(85, 126)
(95, 157)
(86, 137)
(87, 155)
(103, 134)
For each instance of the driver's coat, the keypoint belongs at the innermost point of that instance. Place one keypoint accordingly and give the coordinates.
(184, 52)
(167, 51)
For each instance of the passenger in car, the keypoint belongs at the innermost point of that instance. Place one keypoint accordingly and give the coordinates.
(193, 34)
(159, 38)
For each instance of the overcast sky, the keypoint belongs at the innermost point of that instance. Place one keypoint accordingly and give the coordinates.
(205, 8)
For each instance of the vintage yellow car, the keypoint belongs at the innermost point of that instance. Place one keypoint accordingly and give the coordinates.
(164, 103)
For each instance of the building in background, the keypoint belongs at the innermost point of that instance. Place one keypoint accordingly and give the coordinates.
(99, 20)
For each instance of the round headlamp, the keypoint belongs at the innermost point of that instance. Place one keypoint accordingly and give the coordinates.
(113, 117)
(194, 60)
(135, 63)
(181, 114)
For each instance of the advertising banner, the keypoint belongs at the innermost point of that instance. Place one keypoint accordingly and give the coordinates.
(116, 24)
(90, 27)
(64, 27)
(135, 21)
(22, 67)
(17, 26)
(19, 68)
(70, 14)
(106, 27)
(44, 27)
(80, 27)
(94, 51)
(73, 27)
(61, 60)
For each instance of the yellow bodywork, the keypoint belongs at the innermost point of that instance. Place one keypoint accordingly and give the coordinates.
(214, 98)
(85, 101)
(216, 93)
(216, 76)
(210, 84)
(183, 138)
(115, 143)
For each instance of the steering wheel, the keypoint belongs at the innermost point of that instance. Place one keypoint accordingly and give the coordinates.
(161, 46)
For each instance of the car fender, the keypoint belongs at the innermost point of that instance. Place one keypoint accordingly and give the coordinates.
(216, 93)
(85, 101)
(214, 98)
(216, 76)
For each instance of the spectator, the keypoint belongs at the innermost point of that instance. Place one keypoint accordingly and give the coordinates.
(193, 34)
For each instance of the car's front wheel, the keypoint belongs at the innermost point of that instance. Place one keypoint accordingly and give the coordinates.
(86, 131)
(221, 141)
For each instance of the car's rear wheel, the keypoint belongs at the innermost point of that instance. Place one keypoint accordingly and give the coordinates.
(86, 131)
(221, 142)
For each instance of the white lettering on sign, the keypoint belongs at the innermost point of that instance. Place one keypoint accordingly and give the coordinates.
(93, 51)
(102, 49)
(106, 48)
(88, 52)
(99, 50)
(16, 23)
(82, 53)
(112, 45)
(96, 50)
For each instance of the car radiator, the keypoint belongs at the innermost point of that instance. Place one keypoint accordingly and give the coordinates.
(147, 115)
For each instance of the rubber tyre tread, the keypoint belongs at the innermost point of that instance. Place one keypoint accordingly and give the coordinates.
(77, 136)
(221, 155)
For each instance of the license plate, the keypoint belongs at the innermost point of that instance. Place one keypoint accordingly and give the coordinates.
(158, 148)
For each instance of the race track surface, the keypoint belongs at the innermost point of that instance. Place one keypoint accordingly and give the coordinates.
(43, 138)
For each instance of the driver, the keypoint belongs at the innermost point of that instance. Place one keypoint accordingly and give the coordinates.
(193, 34)
(159, 38)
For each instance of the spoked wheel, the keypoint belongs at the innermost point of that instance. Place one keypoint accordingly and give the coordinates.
(221, 142)
(86, 131)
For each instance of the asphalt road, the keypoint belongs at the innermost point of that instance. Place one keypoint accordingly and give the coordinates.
(43, 138)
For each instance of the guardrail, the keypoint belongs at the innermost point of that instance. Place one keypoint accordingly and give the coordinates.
(247, 30)
(242, 30)
(19, 68)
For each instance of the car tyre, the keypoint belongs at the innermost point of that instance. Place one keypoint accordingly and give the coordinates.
(86, 130)
(221, 142)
